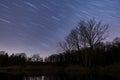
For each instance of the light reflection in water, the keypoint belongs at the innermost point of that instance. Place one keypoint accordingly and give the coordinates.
(34, 78)
(4, 76)
(84, 77)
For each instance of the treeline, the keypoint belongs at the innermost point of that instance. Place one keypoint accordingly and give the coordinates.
(84, 46)
(19, 59)
(6, 60)
(103, 54)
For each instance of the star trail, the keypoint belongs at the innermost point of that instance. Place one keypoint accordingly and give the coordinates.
(36, 26)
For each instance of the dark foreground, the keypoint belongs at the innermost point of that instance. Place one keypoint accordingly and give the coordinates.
(4, 76)
(112, 70)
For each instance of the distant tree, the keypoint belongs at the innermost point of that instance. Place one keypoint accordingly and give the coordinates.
(23, 55)
(116, 41)
(3, 58)
(36, 57)
(2, 52)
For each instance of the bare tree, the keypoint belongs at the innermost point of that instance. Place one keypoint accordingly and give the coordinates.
(65, 46)
(92, 32)
(87, 34)
(71, 41)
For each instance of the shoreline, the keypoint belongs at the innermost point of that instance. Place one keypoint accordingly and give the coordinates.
(113, 70)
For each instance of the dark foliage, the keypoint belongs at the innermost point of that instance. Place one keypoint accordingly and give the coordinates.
(102, 54)
(6, 60)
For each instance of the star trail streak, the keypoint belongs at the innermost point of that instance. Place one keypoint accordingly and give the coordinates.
(36, 26)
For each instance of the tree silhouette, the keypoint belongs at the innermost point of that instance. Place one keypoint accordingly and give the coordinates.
(92, 32)
(87, 34)
(36, 57)
(71, 41)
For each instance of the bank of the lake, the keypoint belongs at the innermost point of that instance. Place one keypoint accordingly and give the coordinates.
(71, 70)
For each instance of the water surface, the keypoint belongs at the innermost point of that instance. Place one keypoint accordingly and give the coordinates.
(4, 76)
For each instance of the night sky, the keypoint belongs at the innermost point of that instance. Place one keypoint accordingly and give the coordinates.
(36, 26)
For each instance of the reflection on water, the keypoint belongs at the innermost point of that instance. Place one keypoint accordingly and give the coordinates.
(34, 78)
(56, 77)
(71, 77)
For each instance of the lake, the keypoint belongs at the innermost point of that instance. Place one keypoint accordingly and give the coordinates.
(4, 76)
